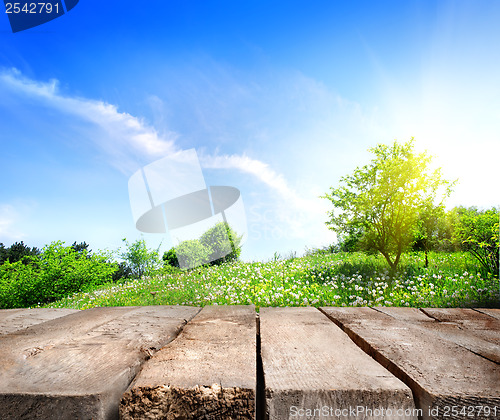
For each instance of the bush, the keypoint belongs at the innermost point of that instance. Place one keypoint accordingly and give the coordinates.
(217, 245)
(123, 271)
(477, 232)
(192, 253)
(350, 241)
(57, 272)
(170, 258)
(223, 243)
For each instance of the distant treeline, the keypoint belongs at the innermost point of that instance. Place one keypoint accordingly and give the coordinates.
(460, 229)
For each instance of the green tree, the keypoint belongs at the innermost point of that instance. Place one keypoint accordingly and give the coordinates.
(17, 252)
(428, 231)
(170, 258)
(382, 201)
(217, 245)
(141, 260)
(223, 243)
(57, 272)
(82, 248)
(477, 232)
(192, 253)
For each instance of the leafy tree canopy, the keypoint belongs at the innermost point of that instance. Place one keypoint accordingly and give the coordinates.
(477, 231)
(141, 260)
(17, 252)
(383, 201)
(217, 245)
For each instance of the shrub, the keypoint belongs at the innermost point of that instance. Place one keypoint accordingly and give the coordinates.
(217, 245)
(223, 243)
(123, 271)
(192, 253)
(170, 258)
(478, 233)
(57, 272)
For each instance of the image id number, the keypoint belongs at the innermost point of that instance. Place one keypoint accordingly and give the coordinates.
(31, 8)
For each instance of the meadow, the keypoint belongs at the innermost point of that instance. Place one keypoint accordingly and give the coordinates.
(317, 279)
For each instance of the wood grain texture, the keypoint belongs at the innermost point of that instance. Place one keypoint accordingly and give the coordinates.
(440, 372)
(208, 372)
(309, 363)
(476, 332)
(78, 366)
(17, 319)
(493, 312)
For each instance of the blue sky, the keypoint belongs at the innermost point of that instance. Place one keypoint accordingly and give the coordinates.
(279, 99)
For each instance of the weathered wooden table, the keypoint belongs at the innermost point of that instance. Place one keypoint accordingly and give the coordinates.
(229, 362)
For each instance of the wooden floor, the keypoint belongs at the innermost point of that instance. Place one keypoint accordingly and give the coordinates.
(230, 362)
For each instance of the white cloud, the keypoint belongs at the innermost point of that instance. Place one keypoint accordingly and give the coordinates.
(258, 169)
(121, 134)
(295, 215)
(126, 131)
(123, 138)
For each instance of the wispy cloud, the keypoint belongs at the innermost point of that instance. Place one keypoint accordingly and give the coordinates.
(295, 215)
(129, 142)
(120, 136)
(255, 167)
(127, 134)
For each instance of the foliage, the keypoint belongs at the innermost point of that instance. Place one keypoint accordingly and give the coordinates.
(123, 272)
(16, 252)
(223, 243)
(170, 258)
(192, 253)
(219, 244)
(322, 279)
(427, 231)
(139, 258)
(82, 248)
(381, 202)
(57, 272)
(350, 241)
(478, 233)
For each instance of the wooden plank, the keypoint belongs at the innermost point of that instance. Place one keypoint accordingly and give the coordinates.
(469, 321)
(78, 366)
(472, 330)
(16, 319)
(313, 370)
(441, 374)
(208, 372)
(414, 315)
(466, 318)
(494, 312)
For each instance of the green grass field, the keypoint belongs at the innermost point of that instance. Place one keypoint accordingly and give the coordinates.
(320, 279)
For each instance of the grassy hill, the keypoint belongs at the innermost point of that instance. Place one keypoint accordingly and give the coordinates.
(319, 279)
